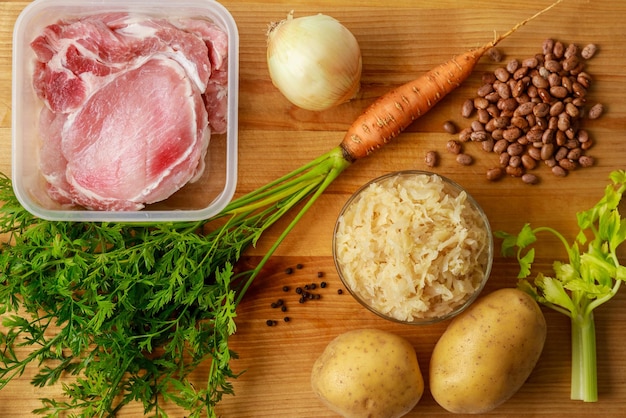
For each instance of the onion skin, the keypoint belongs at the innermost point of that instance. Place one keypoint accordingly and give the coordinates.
(314, 61)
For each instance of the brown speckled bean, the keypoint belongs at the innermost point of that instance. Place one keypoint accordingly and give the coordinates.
(535, 153)
(477, 126)
(550, 162)
(559, 92)
(514, 171)
(540, 82)
(468, 108)
(431, 159)
(484, 90)
(520, 73)
(500, 146)
(586, 161)
(534, 134)
(515, 149)
(464, 159)
(587, 144)
(541, 110)
(504, 159)
(488, 78)
(574, 154)
(483, 116)
(583, 136)
(568, 165)
(503, 89)
(530, 178)
(512, 66)
(495, 54)
(570, 63)
(449, 127)
(559, 49)
(557, 108)
(525, 109)
(596, 111)
(515, 161)
(511, 134)
(528, 162)
(572, 110)
(559, 171)
(502, 74)
(548, 46)
(564, 122)
(589, 51)
(479, 136)
(480, 103)
(494, 174)
(553, 66)
(454, 147)
(530, 62)
(560, 154)
(465, 134)
(579, 90)
(487, 144)
(584, 79)
(571, 51)
(547, 151)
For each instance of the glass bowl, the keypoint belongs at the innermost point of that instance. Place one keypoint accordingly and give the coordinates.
(413, 247)
(196, 200)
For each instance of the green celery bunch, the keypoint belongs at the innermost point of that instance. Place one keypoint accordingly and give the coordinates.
(592, 276)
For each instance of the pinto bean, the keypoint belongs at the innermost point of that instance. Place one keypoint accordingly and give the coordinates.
(531, 110)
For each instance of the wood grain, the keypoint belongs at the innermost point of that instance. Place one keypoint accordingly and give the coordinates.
(399, 40)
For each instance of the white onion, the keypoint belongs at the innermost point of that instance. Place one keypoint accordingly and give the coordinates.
(314, 61)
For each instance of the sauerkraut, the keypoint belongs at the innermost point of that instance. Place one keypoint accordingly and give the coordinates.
(412, 246)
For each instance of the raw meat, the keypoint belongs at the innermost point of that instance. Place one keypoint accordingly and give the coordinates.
(130, 104)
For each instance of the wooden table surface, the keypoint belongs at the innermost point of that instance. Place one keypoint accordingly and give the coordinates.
(399, 40)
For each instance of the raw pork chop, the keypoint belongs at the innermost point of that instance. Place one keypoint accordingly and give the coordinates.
(130, 103)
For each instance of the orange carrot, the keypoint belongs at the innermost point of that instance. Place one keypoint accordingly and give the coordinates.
(393, 112)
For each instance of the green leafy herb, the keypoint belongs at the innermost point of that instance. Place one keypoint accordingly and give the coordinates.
(592, 276)
(128, 311)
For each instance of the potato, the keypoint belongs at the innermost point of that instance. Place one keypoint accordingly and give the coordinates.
(487, 352)
(368, 373)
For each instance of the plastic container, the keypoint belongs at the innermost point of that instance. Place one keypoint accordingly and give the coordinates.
(195, 201)
(380, 212)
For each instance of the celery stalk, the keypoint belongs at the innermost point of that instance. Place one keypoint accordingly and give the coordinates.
(591, 277)
(584, 384)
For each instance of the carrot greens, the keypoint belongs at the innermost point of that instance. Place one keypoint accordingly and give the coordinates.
(131, 310)
(592, 276)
